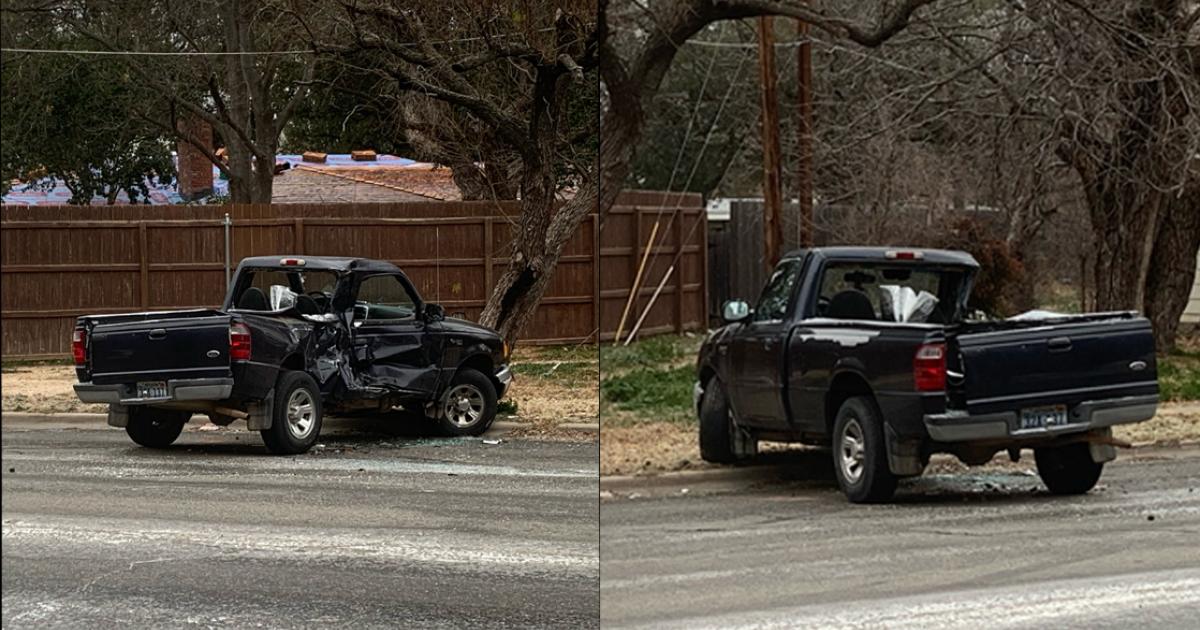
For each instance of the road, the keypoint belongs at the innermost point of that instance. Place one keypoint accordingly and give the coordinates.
(777, 546)
(369, 531)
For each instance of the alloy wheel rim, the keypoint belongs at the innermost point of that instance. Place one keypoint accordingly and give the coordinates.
(301, 414)
(464, 405)
(850, 451)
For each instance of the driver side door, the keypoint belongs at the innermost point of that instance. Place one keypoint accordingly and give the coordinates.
(758, 351)
(392, 342)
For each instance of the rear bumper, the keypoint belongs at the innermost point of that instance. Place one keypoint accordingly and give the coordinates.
(178, 389)
(1093, 414)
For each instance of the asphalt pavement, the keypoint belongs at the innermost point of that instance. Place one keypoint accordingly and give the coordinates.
(368, 531)
(776, 545)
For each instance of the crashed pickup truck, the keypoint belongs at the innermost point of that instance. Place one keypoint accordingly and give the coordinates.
(870, 351)
(297, 337)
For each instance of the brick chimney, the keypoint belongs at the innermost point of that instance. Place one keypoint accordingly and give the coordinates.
(195, 170)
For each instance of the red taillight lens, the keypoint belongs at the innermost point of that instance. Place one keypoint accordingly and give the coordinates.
(929, 367)
(239, 342)
(79, 346)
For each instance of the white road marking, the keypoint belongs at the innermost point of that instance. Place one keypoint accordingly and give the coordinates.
(1030, 605)
(293, 543)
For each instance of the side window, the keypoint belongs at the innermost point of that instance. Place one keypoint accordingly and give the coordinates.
(383, 298)
(773, 303)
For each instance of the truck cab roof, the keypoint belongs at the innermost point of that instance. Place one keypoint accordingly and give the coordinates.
(326, 263)
(889, 254)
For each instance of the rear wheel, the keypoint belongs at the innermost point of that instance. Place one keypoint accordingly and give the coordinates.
(860, 453)
(296, 415)
(469, 405)
(722, 441)
(155, 428)
(1067, 469)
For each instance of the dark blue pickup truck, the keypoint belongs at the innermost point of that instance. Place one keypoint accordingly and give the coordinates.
(870, 351)
(296, 337)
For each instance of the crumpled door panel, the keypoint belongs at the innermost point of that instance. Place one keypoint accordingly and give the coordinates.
(394, 356)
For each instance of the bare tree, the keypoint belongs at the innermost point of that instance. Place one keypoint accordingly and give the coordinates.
(247, 94)
(1077, 116)
(639, 43)
(519, 70)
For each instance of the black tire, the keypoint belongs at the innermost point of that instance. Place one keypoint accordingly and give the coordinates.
(468, 406)
(155, 428)
(716, 425)
(873, 482)
(1068, 469)
(296, 415)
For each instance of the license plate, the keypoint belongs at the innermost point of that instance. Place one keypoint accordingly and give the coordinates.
(152, 389)
(1043, 417)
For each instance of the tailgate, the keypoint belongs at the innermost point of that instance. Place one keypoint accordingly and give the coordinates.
(1007, 366)
(159, 347)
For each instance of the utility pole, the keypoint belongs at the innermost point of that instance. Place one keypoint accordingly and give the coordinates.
(772, 170)
(804, 188)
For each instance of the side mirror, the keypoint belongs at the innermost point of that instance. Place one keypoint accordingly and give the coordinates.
(434, 313)
(735, 311)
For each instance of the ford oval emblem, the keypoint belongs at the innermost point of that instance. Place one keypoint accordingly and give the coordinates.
(212, 354)
(1137, 366)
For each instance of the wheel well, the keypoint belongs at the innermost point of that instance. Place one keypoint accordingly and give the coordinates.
(706, 375)
(844, 386)
(293, 362)
(483, 364)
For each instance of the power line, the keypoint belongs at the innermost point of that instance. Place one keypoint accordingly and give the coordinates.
(153, 53)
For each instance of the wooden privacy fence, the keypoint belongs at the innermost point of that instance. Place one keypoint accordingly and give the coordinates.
(60, 262)
(680, 241)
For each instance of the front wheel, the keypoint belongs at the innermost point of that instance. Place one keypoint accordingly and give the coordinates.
(296, 415)
(1067, 469)
(860, 453)
(722, 441)
(155, 428)
(469, 405)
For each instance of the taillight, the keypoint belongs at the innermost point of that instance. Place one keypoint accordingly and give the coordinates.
(79, 346)
(929, 367)
(239, 342)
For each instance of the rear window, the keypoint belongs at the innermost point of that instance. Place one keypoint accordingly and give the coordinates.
(278, 289)
(890, 293)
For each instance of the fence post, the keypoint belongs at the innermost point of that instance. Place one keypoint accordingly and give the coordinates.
(487, 259)
(298, 235)
(679, 277)
(596, 275)
(144, 266)
(637, 255)
(228, 227)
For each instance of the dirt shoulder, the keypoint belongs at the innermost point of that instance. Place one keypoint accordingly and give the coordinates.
(647, 448)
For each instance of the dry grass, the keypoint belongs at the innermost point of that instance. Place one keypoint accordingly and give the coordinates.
(42, 389)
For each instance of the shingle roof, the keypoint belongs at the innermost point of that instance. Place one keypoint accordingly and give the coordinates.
(387, 178)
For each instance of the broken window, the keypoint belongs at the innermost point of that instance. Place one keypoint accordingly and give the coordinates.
(384, 297)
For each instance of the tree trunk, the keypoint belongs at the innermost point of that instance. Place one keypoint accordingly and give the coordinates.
(541, 235)
(1125, 230)
(1173, 268)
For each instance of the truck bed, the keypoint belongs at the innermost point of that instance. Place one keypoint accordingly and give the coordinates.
(1016, 364)
(158, 346)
